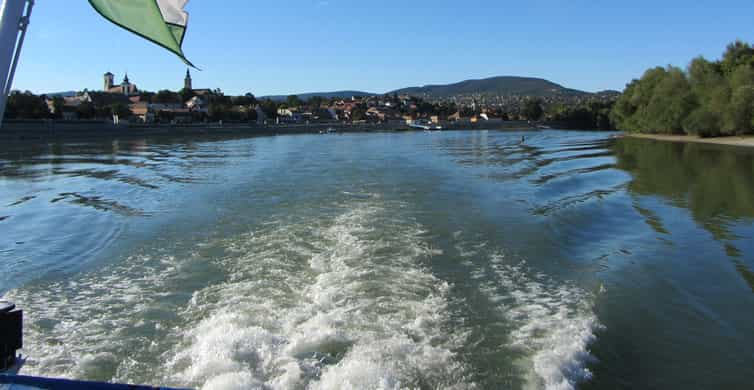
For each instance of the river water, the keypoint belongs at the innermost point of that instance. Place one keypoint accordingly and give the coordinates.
(444, 260)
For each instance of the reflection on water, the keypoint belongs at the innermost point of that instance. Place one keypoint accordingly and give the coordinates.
(62, 203)
(715, 184)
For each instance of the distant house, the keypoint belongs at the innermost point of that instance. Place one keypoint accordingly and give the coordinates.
(101, 99)
(179, 115)
(196, 104)
(142, 112)
(70, 105)
(75, 101)
(202, 92)
(290, 115)
(376, 114)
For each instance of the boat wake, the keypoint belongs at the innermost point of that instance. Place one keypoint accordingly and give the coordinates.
(309, 301)
(549, 323)
(314, 305)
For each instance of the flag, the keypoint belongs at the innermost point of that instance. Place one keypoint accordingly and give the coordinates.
(161, 21)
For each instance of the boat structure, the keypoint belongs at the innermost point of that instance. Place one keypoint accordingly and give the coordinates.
(15, 17)
(11, 340)
(423, 124)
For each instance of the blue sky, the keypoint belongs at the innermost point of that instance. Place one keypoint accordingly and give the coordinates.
(283, 47)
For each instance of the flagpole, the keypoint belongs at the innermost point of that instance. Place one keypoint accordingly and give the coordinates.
(12, 21)
(23, 24)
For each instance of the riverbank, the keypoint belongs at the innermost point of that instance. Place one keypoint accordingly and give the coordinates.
(40, 130)
(745, 141)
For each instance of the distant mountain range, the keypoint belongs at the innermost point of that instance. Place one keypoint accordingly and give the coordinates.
(326, 95)
(493, 86)
(62, 94)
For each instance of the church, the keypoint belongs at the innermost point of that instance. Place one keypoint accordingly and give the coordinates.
(188, 85)
(126, 87)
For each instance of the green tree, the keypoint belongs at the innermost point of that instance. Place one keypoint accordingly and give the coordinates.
(86, 110)
(26, 105)
(218, 112)
(186, 95)
(737, 54)
(293, 101)
(594, 115)
(670, 103)
(167, 97)
(270, 108)
(533, 110)
(708, 99)
(315, 102)
(120, 109)
(358, 114)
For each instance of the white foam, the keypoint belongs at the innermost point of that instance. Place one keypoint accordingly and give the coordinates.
(553, 323)
(304, 302)
(81, 327)
(336, 304)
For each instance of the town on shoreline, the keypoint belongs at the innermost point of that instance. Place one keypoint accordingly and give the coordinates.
(123, 107)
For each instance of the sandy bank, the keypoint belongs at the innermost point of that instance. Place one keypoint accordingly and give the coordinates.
(747, 141)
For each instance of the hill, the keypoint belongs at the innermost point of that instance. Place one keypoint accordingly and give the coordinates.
(494, 86)
(326, 95)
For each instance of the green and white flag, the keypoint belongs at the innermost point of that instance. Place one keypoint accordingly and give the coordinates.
(160, 21)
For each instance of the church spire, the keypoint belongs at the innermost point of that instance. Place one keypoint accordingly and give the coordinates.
(187, 81)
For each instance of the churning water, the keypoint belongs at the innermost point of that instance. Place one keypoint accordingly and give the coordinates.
(454, 260)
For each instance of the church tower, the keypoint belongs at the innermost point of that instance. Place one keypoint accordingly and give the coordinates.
(109, 81)
(187, 81)
(126, 85)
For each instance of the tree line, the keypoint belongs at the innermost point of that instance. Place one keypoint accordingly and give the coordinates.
(708, 98)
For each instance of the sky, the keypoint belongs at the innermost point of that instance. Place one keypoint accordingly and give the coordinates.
(286, 47)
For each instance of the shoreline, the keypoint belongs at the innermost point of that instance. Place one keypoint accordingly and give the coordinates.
(740, 141)
(83, 130)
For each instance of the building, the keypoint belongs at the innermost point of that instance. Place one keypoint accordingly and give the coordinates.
(142, 111)
(109, 78)
(125, 88)
(187, 84)
(196, 104)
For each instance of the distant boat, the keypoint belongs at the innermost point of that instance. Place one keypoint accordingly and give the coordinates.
(331, 130)
(423, 125)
